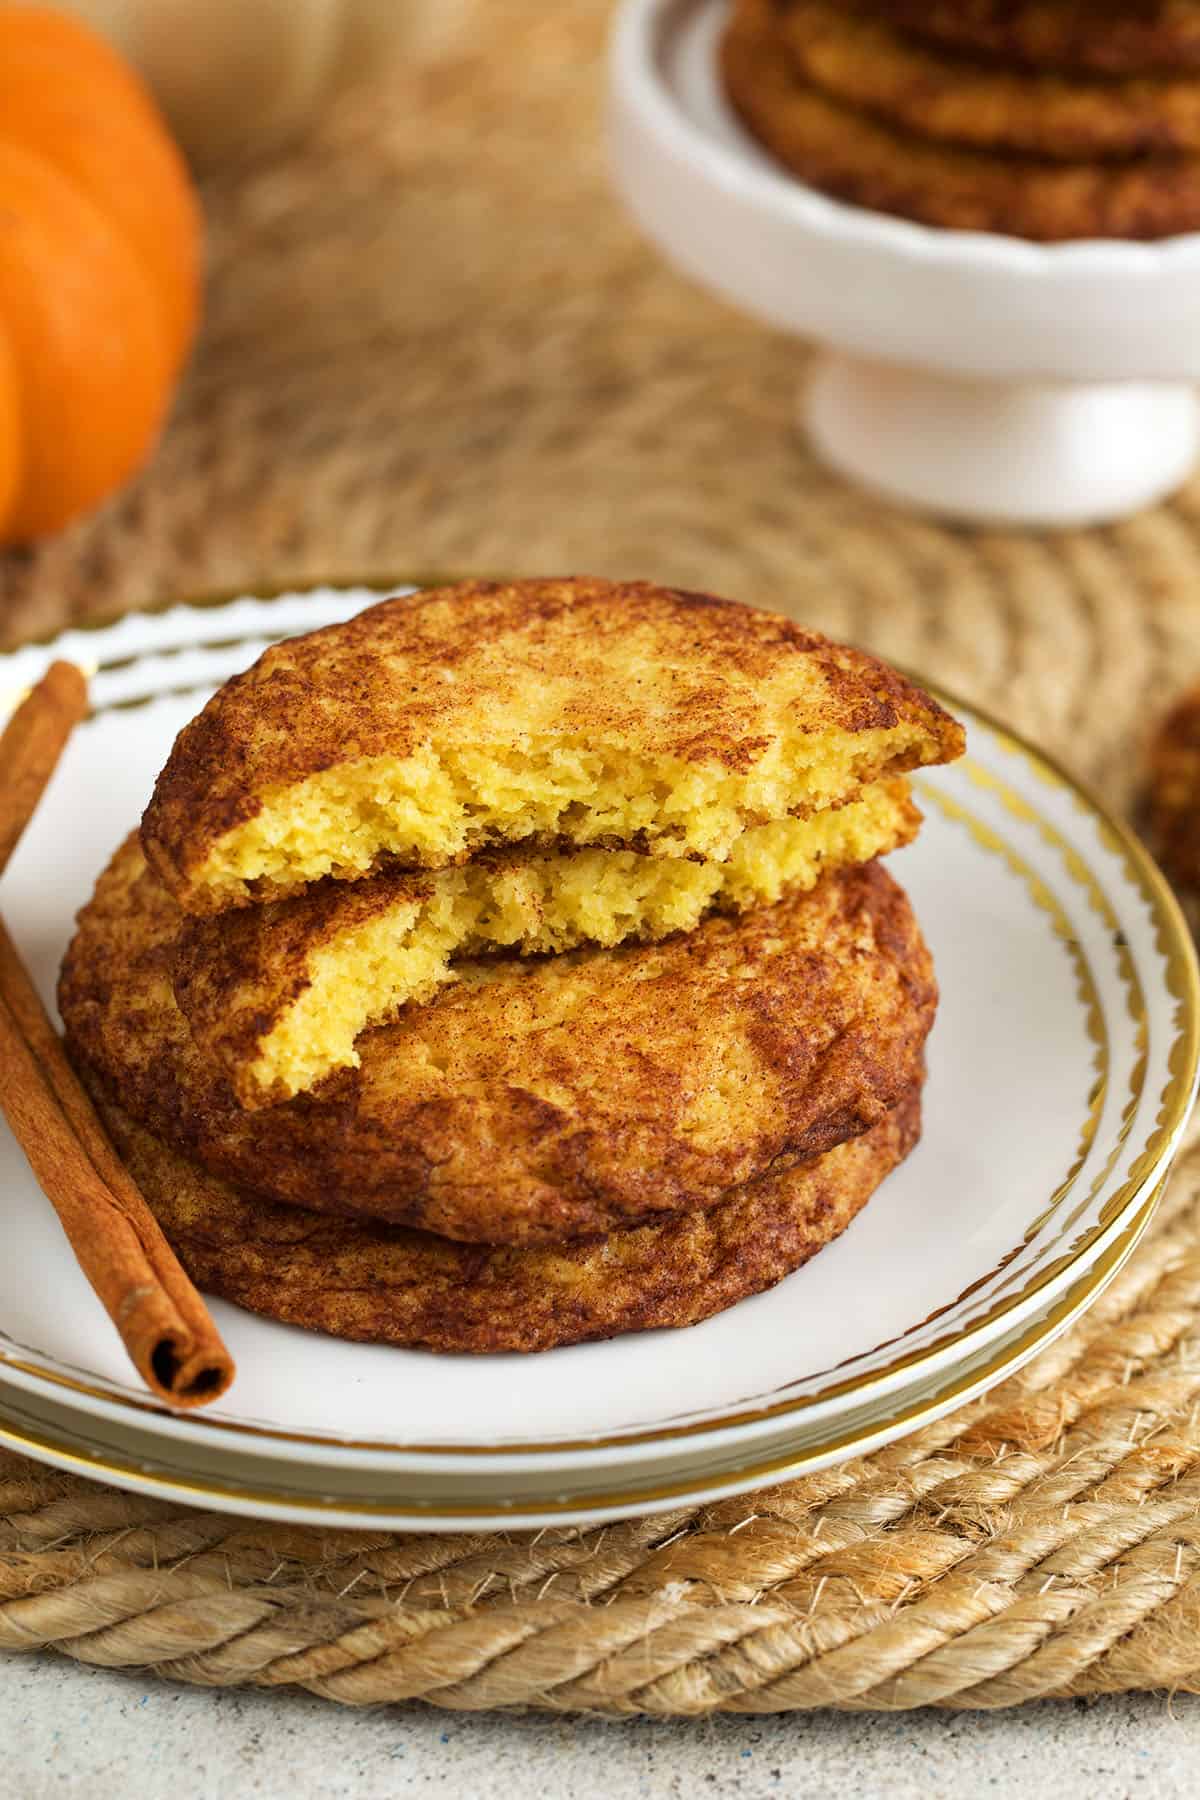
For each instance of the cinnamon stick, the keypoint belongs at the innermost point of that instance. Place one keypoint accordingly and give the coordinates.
(164, 1324)
(31, 744)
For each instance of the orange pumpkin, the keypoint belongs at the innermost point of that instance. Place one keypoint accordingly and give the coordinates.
(100, 246)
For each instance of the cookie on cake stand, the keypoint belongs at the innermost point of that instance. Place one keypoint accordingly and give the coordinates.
(979, 376)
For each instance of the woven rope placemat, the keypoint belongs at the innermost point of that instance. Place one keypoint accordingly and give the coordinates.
(434, 342)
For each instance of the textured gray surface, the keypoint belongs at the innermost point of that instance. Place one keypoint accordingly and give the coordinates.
(66, 1729)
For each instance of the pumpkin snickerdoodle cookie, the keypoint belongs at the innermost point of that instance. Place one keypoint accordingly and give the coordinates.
(280, 994)
(1100, 37)
(551, 714)
(377, 1283)
(513, 965)
(854, 157)
(894, 77)
(538, 1097)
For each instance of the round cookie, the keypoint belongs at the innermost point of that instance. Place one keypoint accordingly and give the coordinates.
(279, 994)
(384, 1284)
(1174, 792)
(867, 64)
(1100, 37)
(544, 1098)
(551, 713)
(859, 160)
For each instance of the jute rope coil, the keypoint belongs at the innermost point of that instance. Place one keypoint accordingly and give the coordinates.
(435, 342)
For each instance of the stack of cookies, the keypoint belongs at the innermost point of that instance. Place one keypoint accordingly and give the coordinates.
(1044, 119)
(513, 966)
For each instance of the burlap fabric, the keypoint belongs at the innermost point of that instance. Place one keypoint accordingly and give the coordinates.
(435, 343)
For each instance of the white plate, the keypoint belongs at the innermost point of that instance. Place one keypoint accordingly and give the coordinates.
(1062, 1069)
(228, 1472)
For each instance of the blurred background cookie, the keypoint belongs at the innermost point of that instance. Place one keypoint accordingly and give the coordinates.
(935, 93)
(1106, 37)
(847, 153)
(1174, 792)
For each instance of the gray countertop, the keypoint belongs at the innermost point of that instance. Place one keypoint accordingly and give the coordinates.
(106, 1735)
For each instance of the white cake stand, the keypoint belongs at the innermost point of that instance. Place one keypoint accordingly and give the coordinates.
(979, 376)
